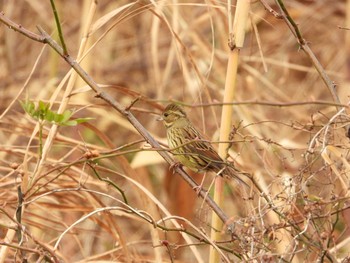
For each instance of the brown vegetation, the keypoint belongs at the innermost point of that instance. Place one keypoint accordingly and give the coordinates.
(98, 191)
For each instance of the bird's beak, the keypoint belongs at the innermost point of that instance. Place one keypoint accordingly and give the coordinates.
(160, 118)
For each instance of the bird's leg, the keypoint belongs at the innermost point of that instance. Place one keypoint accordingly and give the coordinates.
(220, 173)
(175, 165)
(199, 187)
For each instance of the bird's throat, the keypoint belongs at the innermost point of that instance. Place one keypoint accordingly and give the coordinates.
(180, 123)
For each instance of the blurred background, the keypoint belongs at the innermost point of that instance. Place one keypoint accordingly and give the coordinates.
(286, 130)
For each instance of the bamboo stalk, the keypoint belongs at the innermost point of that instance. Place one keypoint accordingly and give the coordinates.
(236, 41)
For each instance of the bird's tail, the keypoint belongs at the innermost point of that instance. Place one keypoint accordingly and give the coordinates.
(229, 171)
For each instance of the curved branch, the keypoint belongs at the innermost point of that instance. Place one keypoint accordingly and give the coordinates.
(47, 39)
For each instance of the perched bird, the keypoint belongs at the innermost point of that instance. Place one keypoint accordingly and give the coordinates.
(189, 147)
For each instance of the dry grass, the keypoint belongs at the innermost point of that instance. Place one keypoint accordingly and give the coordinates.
(287, 133)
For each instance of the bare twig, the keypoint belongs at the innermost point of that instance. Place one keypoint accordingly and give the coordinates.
(18, 28)
(270, 103)
(271, 10)
(59, 28)
(43, 247)
(304, 46)
(47, 39)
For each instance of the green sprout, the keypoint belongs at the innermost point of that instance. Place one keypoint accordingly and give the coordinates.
(42, 114)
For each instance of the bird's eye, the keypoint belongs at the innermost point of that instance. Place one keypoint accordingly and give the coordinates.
(166, 114)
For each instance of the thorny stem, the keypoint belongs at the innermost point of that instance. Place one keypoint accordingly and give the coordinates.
(137, 125)
(304, 46)
(58, 25)
(46, 39)
(40, 138)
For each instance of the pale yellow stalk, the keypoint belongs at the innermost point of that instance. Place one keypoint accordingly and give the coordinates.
(236, 40)
(65, 100)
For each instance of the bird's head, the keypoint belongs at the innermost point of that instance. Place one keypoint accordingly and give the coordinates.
(173, 114)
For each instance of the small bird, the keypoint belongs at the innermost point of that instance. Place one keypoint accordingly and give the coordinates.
(189, 147)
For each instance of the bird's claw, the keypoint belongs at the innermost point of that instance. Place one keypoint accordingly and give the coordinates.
(174, 166)
(198, 189)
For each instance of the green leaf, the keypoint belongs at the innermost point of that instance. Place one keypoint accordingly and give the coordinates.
(43, 107)
(28, 107)
(69, 123)
(75, 122)
(66, 115)
(50, 116)
(81, 120)
(58, 118)
(42, 112)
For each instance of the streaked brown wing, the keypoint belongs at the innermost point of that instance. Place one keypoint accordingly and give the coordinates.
(201, 149)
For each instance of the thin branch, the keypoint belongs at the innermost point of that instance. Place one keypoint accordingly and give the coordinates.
(59, 28)
(269, 9)
(137, 125)
(18, 28)
(145, 134)
(43, 247)
(46, 38)
(269, 103)
(304, 46)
